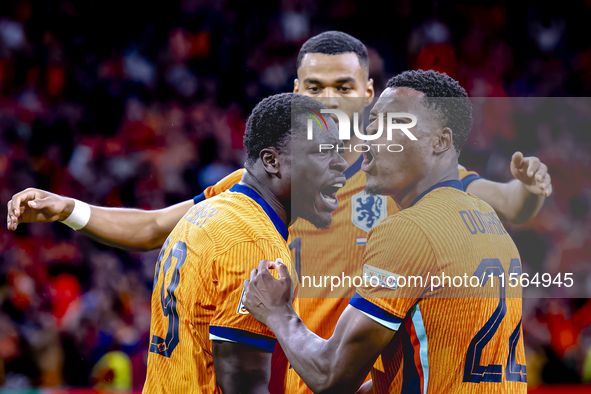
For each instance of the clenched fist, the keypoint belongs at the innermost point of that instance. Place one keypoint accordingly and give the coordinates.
(264, 295)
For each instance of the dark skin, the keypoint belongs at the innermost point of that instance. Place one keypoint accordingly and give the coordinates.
(339, 82)
(242, 368)
(341, 363)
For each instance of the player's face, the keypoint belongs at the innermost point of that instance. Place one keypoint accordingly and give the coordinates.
(316, 174)
(337, 81)
(391, 173)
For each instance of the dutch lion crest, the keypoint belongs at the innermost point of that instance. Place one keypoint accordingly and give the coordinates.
(367, 210)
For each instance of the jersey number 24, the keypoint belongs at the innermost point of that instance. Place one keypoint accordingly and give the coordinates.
(473, 371)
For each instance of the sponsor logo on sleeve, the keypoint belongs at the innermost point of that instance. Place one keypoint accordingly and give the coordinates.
(241, 309)
(386, 279)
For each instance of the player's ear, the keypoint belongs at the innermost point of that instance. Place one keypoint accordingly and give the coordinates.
(369, 93)
(269, 158)
(296, 85)
(443, 141)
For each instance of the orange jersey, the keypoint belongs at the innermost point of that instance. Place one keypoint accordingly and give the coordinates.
(224, 184)
(334, 252)
(462, 336)
(198, 287)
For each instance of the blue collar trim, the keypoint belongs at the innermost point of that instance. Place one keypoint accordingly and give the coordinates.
(453, 183)
(353, 168)
(279, 225)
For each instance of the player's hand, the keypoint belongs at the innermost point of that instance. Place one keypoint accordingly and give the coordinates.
(266, 296)
(37, 206)
(532, 173)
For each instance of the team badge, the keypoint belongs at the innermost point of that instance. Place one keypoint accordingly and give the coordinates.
(241, 309)
(367, 210)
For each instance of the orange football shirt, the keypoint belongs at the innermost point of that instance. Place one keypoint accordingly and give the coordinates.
(460, 336)
(198, 287)
(334, 252)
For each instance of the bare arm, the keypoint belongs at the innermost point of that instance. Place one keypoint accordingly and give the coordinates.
(337, 365)
(241, 368)
(522, 198)
(130, 229)
(134, 229)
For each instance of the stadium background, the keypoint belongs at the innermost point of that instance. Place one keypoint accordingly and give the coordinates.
(143, 104)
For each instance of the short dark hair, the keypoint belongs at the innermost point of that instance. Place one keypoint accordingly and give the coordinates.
(457, 113)
(270, 123)
(334, 43)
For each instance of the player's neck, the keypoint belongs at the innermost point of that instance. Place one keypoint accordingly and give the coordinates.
(404, 200)
(270, 198)
(349, 154)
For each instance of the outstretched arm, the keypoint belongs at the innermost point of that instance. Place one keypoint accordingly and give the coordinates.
(339, 364)
(131, 229)
(522, 198)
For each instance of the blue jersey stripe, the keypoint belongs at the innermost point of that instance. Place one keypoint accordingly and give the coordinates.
(451, 183)
(370, 309)
(469, 179)
(199, 198)
(236, 335)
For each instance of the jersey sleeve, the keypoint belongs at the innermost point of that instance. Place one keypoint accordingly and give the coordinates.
(467, 177)
(220, 187)
(231, 321)
(397, 266)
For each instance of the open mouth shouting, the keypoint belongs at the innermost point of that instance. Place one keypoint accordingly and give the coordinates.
(368, 161)
(328, 194)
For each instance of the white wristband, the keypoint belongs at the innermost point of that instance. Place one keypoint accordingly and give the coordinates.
(79, 217)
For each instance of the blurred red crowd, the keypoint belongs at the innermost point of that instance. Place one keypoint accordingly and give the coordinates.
(141, 105)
